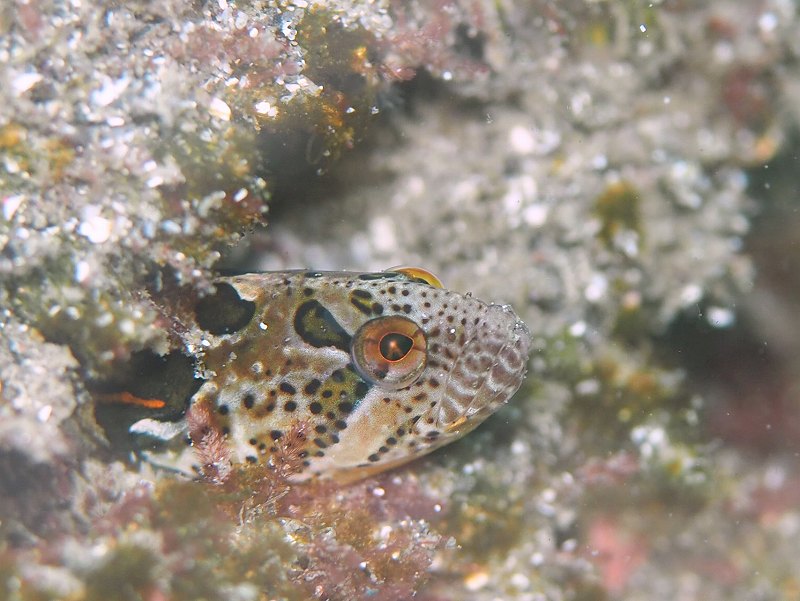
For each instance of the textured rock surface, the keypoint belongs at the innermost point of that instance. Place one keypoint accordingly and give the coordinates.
(596, 164)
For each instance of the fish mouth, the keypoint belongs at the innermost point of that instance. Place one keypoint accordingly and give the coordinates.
(489, 369)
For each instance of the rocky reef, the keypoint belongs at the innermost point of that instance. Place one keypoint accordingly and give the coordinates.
(623, 173)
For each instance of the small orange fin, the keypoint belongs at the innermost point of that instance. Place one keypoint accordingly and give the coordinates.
(126, 398)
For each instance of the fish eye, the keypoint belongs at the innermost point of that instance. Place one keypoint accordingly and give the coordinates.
(390, 351)
(418, 273)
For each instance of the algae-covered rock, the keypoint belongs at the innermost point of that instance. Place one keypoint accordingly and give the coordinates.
(597, 164)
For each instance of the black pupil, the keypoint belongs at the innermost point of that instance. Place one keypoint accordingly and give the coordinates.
(395, 346)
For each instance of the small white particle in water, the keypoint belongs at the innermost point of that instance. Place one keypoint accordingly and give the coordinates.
(437, 508)
(578, 329)
(518, 447)
(587, 387)
(104, 320)
(205, 343)
(266, 108)
(171, 227)
(597, 288)
(599, 162)
(44, 413)
(720, 317)
(521, 140)
(127, 327)
(96, 228)
(262, 325)
(520, 581)
(240, 195)
(24, 82)
(154, 182)
(11, 204)
(219, 109)
(109, 91)
(691, 294)
(382, 234)
(447, 75)
(643, 28)
(476, 580)
(767, 22)
(82, 271)
(535, 215)
(667, 99)
(378, 491)
(115, 121)
(253, 32)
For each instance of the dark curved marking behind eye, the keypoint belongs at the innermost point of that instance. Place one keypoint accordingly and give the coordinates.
(316, 326)
(361, 300)
(380, 275)
(224, 311)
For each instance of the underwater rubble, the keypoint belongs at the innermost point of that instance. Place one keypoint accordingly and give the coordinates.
(612, 169)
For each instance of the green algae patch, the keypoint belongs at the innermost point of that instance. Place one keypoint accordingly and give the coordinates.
(128, 574)
(619, 210)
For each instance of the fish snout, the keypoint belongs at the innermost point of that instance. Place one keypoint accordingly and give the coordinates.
(489, 369)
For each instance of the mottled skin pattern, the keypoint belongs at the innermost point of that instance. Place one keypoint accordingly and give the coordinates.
(293, 362)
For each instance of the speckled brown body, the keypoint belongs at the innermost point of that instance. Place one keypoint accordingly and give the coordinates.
(290, 356)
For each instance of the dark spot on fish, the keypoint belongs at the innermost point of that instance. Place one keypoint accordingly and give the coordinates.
(287, 388)
(290, 406)
(312, 386)
(315, 407)
(249, 400)
(316, 326)
(223, 311)
(373, 276)
(361, 300)
(362, 388)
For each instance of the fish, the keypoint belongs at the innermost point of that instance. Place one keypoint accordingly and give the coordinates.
(372, 369)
